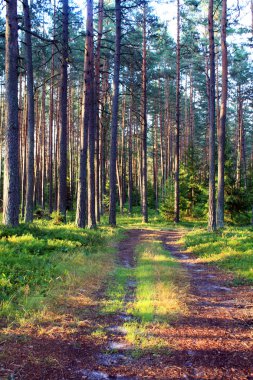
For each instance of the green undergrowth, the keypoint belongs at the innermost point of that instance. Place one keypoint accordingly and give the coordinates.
(41, 260)
(156, 221)
(230, 249)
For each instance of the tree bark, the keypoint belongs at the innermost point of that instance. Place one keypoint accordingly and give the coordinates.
(144, 119)
(177, 131)
(130, 155)
(114, 123)
(96, 103)
(91, 136)
(222, 124)
(51, 121)
(62, 169)
(212, 211)
(11, 162)
(86, 113)
(30, 110)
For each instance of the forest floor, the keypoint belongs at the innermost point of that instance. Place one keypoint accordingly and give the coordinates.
(161, 314)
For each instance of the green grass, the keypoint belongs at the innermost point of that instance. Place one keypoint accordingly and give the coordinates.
(38, 259)
(158, 276)
(160, 292)
(230, 249)
(116, 290)
(159, 297)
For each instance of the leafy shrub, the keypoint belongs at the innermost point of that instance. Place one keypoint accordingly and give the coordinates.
(58, 218)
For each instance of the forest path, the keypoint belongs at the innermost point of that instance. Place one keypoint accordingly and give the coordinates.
(210, 338)
(213, 340)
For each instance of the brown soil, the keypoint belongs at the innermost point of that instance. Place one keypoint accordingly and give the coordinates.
(213, 341)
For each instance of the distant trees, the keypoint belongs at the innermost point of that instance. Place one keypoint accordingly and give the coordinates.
(117, 126)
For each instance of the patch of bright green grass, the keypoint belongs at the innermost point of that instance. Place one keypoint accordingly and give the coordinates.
(230, 249)
(157, 275)
(38, 259)
(116, 290)
(160, 291)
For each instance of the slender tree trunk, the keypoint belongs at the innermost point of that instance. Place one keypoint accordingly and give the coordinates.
(23, 158)
(114, 123)
(130, 157)
(91, 138)
(155, 165)
(51, 123)
(2, 108)
(30, 104)
(71, 147)
(11, 162)
(212, 211)
(177, 131)
(56, 148)
(96, 103)
(144, 120)
(119, 180)
(222, 124)
(81, 214)
(121, 160)
(62, 187)
(43, 146)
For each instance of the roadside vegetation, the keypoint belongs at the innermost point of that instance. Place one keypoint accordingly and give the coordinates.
(231, 249)
(40, 263)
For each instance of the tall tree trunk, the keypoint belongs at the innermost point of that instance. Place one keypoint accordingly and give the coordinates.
(56, 148)
(43, 145)
(212, 211)
(155, 165)
(30, 105)
(114, 123)
(11, 162)
(62, 177)
(81, 206)
(130, 153)
(96, 103)
(91, 138)
(177, 131)
(144, 119)
(121, 159)
(51, 122)
(222, 124)
(23, 157)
